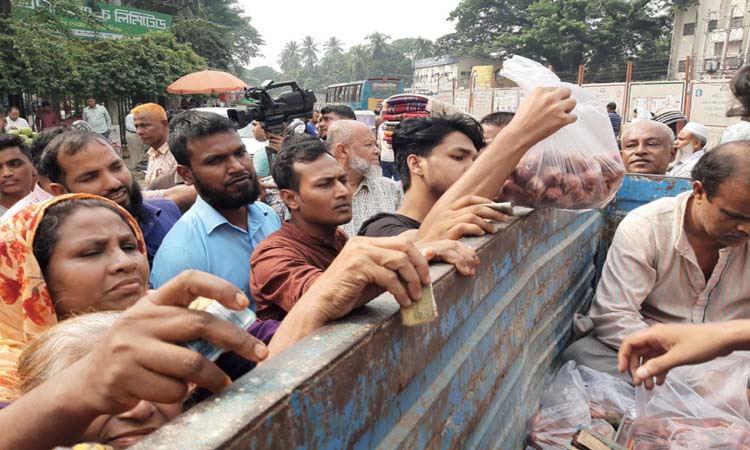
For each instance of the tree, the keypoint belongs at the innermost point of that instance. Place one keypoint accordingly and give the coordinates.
(290, 60)
(333, 46)
(564, 33)
(359, 61)
(223, 22)
(257, 75)
(309, 52)
(378, 42)
(208, 40)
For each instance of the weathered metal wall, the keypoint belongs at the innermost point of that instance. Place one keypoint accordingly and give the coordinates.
(468, 380)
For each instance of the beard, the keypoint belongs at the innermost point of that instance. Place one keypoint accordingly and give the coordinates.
(364, 168)
(221, 200)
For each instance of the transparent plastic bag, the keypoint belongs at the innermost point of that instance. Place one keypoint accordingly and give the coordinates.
(564, 407)
(698, 407)
(610, 397)
(579, 166)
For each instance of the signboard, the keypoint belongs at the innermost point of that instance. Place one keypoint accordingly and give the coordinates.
(608, 92)
(482, 102)
(709, 103)
(116, 21)
(484, 76)
(656, 97)
(461, 100)
(506, 100)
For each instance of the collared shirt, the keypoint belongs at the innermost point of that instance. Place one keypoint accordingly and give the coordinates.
(130, 123)
(159, 217)
(285, 265)
(684, 167)
(373, 195)
(98, 118)
(616, 121)
(652, 275)
(204, 240)
(160, 161)
(35, 196)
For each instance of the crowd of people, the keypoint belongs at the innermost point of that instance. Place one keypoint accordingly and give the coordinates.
(103, 279)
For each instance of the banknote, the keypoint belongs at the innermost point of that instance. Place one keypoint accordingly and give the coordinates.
(425, 310)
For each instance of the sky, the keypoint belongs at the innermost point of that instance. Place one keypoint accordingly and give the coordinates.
(348, 20)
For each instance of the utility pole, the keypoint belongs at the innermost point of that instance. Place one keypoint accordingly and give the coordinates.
(726, 40)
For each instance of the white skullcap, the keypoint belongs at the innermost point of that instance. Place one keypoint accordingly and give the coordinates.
(696, 129)
(738, 132)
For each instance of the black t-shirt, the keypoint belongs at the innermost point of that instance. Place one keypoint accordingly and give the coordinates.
(387, 224)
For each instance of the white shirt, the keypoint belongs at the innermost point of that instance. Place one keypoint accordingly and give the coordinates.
(130, 123)
(374, 195)
(684, 167)
(98, 118)
(16, 124)
(652, 275)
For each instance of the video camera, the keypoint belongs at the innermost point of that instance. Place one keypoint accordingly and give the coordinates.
(274, 113)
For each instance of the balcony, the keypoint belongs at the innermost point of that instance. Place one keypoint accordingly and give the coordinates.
(720, 35)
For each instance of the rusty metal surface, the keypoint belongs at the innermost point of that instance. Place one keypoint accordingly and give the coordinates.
(470, 379)
(637, 190)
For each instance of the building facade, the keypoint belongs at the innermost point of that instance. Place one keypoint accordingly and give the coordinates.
(715, 35)
(432, 75)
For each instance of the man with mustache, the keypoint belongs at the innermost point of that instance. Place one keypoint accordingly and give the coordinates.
(16, 171)
(85, 162)
(220, 231)
(677, 259)
(647, 147)
(315, 188)
(355, 148)
(690, 145)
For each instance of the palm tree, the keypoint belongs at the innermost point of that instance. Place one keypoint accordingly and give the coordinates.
(378, 42)
(309, 52)
(290, 57)
(423, 48)
(333, 47)
(359, 61)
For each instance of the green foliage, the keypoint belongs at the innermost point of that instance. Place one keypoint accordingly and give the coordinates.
(564, 33)
(40, 56)
(257, 75)
(377, 58)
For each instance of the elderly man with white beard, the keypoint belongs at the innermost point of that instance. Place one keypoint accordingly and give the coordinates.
(690, 145)
(354, 146)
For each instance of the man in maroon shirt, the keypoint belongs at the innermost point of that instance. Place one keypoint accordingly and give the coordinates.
(315, 189)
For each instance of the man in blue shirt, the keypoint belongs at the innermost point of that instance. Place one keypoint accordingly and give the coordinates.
(219, 233)
(84, 162)
(614, 118)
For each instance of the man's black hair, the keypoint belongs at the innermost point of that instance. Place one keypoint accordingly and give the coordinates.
(189, 125)
(13, 140)
(40, 143)
(720, 164)
(69, 143)
(301, 148)
(612, 106)
(497, 119)
(418, 136)
(342, 110)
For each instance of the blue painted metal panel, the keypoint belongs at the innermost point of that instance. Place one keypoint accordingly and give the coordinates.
(469, 380)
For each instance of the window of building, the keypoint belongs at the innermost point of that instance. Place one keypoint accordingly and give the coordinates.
(718, 48)
(713, 24)
(688, 29)
(736, 22)
(681, 66)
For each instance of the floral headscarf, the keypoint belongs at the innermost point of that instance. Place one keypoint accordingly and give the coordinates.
(26, 308)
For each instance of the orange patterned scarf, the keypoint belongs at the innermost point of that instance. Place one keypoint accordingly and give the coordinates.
(26, 308)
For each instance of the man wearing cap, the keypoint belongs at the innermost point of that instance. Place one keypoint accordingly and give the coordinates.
(689, 144)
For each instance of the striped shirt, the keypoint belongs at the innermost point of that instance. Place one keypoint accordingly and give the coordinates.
(652, 275)
(374, 195)
(616, 123)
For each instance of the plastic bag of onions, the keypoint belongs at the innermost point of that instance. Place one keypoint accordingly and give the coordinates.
(578, 167)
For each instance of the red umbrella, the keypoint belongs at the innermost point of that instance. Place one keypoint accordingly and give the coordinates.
(206, 82)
